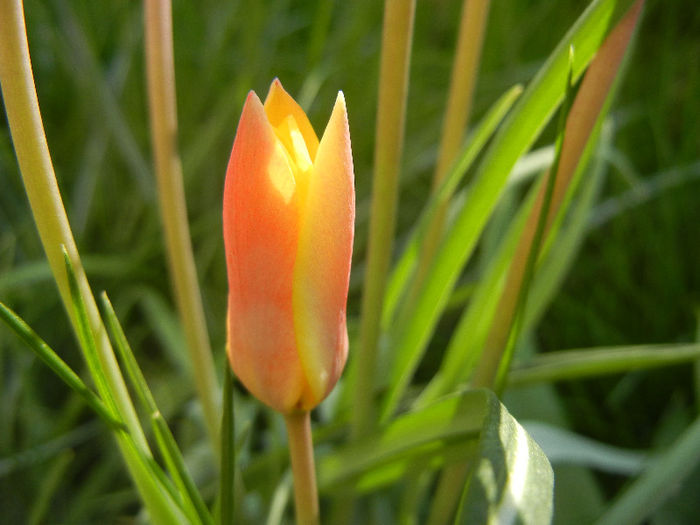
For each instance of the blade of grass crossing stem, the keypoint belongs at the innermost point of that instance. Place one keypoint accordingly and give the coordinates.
(658, 482)
(133, 371)
(521, 128)
(86, 337)
(397, 35)
(400, 278)
(90, 351)
(60, 368)
(228, 453)
(193, 504)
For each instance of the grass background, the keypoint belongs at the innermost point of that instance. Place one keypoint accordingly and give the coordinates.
(636, 280)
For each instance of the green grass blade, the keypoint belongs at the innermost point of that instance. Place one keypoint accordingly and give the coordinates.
(228, 452)
(401, 276)
(658, 482)
(133, 371)
(567, 365)
(518, 132)
(194, 506)
(60, 368)
(192, 501)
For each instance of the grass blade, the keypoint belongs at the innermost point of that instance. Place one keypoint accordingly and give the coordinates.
(60, 368)
(193, 504)
(133, 371)
(657, 482)
(568, 365)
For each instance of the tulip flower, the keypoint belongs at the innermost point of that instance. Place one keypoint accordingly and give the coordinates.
(289, 209)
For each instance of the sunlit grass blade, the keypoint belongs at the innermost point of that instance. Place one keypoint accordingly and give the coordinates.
(133, 371)
(566, 365)
(520, 129)
(228, 453)
(400, 277)
(663, 475)
(60, 368)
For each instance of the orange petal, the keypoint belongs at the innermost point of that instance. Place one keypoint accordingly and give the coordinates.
(261, 227)
(279, 104)
(322, 271)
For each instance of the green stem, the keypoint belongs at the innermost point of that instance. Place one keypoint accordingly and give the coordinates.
(302, 455)
(391, 112)
(24, 118)
(161, 95)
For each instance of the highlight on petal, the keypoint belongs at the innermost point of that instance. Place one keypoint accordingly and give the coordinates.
(321, 276)
(279, 105)
(261, 228)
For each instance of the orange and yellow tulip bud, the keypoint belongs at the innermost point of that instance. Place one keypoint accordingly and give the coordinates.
(289, 212)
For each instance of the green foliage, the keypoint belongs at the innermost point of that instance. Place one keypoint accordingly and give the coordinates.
(617, 279)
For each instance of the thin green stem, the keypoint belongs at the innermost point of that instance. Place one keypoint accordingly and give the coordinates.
(228, 453)
(301, 452)
(160, 71)
(464, 74)
(391, 112)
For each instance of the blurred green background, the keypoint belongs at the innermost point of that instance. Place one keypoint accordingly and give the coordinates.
(636, 279)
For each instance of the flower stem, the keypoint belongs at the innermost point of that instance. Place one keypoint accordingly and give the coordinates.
(302, 455)
(391, 114)
(464, 74)
(173, 207)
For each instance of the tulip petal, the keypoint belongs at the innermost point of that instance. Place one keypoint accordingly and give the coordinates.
(261, 228)
(279, 105)
(321, 275)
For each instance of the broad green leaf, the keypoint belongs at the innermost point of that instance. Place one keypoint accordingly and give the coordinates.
(517, 134)
(595, 362)
(471, 425)
(511, 480)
